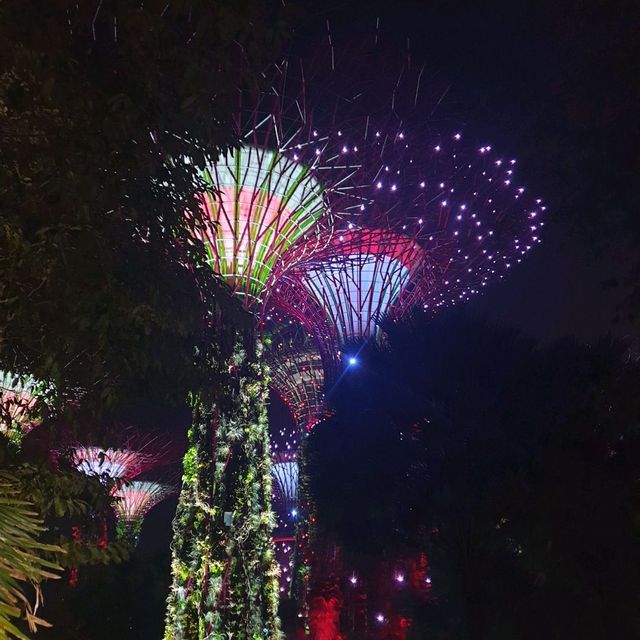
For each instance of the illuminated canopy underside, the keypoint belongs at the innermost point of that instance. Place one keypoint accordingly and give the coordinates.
(112, 463)
(357, 289)
(259, 203)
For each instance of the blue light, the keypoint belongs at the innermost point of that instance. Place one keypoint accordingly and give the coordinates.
(352, 361)
(294, 512)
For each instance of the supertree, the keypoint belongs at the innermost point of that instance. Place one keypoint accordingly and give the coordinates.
(133, 500)
(21, 404)
(444, 219)
(280, 188)
(129, 454)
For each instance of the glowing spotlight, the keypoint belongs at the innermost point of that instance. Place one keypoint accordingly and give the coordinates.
(353, 361)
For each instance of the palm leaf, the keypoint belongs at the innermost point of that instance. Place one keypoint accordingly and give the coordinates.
(21, 560)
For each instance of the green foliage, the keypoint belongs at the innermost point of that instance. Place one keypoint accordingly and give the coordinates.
(224, 574)
(23, 559)
(102, 284)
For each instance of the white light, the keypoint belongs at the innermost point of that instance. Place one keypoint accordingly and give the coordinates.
(352, 361)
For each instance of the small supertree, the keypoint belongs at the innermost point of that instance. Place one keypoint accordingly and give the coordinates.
(285, 473)
(21, 404)
(135, 453)
(133, 500)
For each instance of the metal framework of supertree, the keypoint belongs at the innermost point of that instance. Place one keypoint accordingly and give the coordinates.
(133, 500)
(296, 371)
(18, 404)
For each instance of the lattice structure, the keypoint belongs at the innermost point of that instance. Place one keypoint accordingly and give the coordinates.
(19, 404)
(297, 374)
(133, 500)
(136, 498)
(137, 454)
(285, 473)
(360, 279)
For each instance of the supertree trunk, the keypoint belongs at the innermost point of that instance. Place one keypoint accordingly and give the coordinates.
(224, 573)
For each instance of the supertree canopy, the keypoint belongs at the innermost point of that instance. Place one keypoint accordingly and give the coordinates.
(109, 463)
(445, 219)
(19, 400)
(259, 203)
(361, 279)
(284, 184)
(133, 500)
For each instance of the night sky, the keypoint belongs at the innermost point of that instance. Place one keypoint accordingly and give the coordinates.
(555, 85)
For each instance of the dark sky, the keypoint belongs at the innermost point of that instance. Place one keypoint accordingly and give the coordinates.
(557, 84)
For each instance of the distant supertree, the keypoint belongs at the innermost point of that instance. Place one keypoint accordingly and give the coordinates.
(135, 453)
(21, 399)
(296, 372)
(285, 472)
(133, 500)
